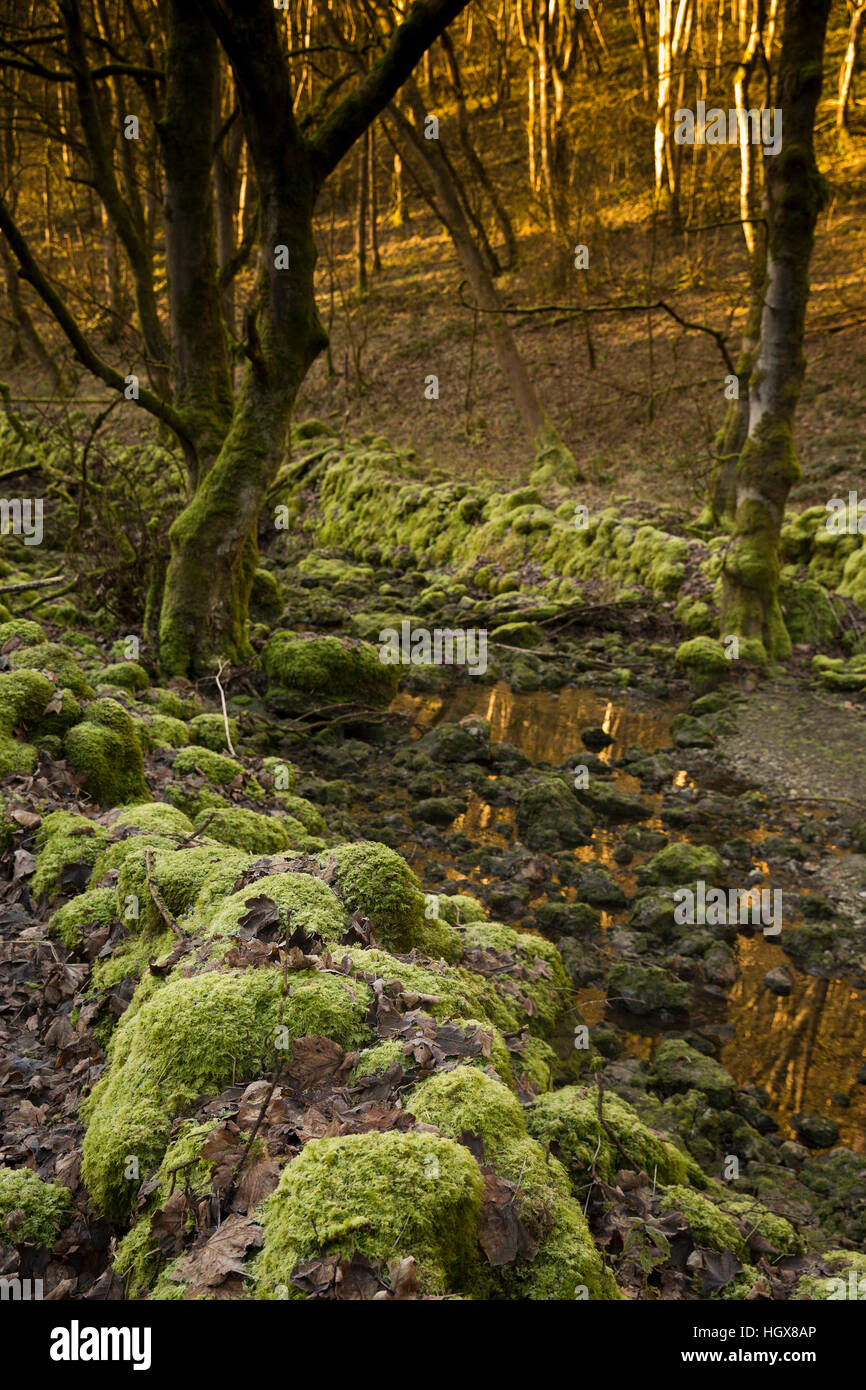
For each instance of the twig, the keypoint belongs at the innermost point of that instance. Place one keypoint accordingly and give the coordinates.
(158, 902)
(225, 711)
(31, 584)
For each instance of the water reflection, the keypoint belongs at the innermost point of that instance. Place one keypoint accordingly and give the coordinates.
(804, 1048)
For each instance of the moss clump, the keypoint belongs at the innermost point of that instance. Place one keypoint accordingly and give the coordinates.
(104, 746)
(387, 1195)
(304, 901)
(28, 633)
(168, 732)
(58, 662)
(64, 840)
(31, 1209)
(375, 1061)
(215, 768)
(299, 809)
(538, 974)
(179, 876)
(210, 731)
(282, 773)
(682, 863)
(458, 909)
(84, 913)
(775, 1229)
(154, 817)
(569, 1119)
(332, 669)
(138, 1258)
(677, 1067)
(126, 674)
(172, 702)
(438, 940)
(193, 1037)
(712, 1228)
(250, 830)
(469, 1099)
(23, 697)
(376, 881)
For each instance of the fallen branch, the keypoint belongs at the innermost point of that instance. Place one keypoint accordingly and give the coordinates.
(225, 711)
(157, 900)
(32, 584)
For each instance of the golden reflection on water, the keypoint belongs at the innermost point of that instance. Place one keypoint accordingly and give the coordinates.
(543, 725)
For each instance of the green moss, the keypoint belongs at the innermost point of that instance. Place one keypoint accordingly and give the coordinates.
(839, 1283)
(681, 863)
(540, 975)
(168, 732)
(127, 674)
(31, 1209)
(469, 1099)
(387, 1195)
(376, 881)
(333, 669)
(104, 746)
(84, 913)
(304, 901)
(251, 831)
(705, 660)
(216, 768)
(375, 1061)
(438, 940)
(193, 1037)
(282, 772)
(458, 909)
(63, 840)
(712, 1228)
(178, 875)
(299, 809)
(775, 1229)
(677, 1067)
(58, 662)
(29, 634)
(210, 731)
(568, 1119)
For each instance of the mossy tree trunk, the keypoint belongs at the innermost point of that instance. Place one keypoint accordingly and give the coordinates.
(768, 464)
(213, 541)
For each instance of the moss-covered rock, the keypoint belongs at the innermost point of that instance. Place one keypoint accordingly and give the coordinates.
(303, 901)
(126, 674)
(210, 731)
(550, 817)
(682, 863)
(216, 768)
(168, 732)
(568, 1119)
(388, 1195)
(250, 830)
(82, 914)
(104, 746)
(193, 1037)
(376, 881)
(677, 1067)
(712, 1228)
(67, 847)
(329, 670)
(646, 989)
(31, 1209)
(55, 661)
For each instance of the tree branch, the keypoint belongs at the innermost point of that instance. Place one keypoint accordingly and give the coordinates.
(409, 42)
(84, 350)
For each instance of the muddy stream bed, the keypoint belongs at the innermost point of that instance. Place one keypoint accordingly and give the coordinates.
(805, 1049)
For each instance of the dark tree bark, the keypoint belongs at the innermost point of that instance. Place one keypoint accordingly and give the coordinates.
(768, 466)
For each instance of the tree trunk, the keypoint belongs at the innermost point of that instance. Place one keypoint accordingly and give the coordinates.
(849, 62)
(768, 463)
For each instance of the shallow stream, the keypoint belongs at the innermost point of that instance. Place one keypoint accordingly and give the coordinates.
(805, 1048)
